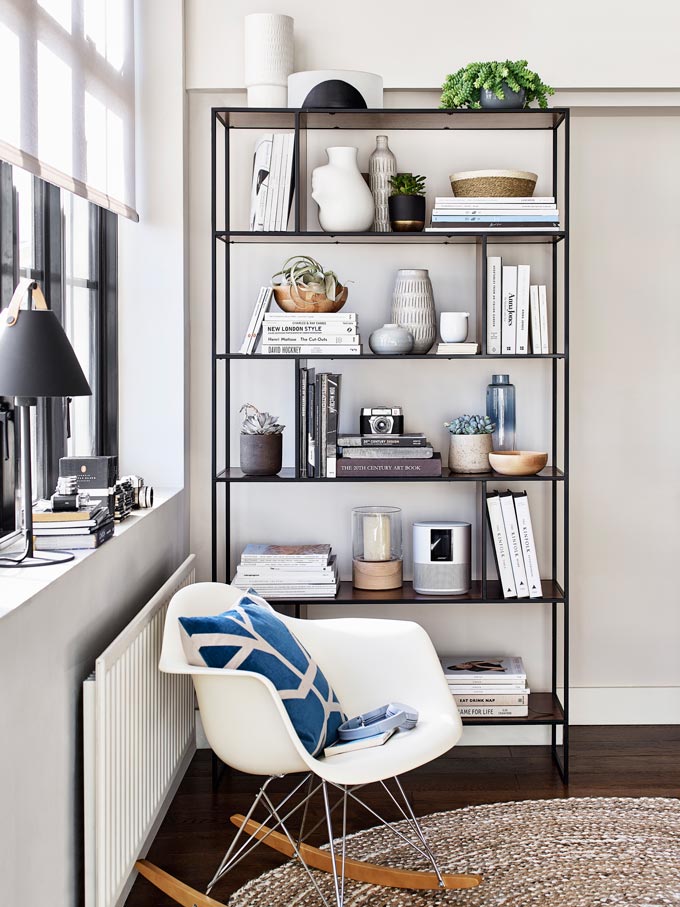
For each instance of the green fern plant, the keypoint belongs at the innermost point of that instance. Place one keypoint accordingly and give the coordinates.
(407, 184)
(462, 88)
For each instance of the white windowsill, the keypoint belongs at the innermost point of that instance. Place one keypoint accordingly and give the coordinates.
(19, 586)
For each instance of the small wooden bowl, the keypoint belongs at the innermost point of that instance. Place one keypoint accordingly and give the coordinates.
(300, 301)
(517, 462)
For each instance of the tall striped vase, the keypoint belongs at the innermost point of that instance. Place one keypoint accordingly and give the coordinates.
(382, 166)
(413, 307)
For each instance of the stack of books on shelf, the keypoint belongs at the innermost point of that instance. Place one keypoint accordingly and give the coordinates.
(288, 571)
(499, 215)
(487, 686)
(319, 412)
(466, 348)
(335, 333)
(88, 527)
(387, 455)
(272, 184)
(516, 310)
(514, 547)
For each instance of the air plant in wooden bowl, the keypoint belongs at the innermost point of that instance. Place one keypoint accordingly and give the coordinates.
(303, 285)
(261, 442)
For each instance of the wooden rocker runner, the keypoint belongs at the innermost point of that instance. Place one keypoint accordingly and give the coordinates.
(370, 661)
(357, 870)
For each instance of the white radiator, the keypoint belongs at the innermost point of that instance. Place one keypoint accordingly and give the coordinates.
(139, 736)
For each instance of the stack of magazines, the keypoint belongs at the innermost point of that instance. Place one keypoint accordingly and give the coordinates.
(502, 215)
(487, 686)
(87, 527)
(288, 571)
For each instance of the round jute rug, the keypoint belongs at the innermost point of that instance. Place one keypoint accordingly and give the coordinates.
(591, 852)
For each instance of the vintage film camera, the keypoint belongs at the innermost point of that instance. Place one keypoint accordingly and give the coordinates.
(142, 495)
(382, 420)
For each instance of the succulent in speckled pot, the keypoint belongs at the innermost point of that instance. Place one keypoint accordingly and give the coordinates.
(470, 443)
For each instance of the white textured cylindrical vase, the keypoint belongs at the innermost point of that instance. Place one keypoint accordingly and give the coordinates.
(345, 201)
(382, 166)
(269, 58)
(413, 307)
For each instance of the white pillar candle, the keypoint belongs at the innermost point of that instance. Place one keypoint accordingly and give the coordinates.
(377, 542)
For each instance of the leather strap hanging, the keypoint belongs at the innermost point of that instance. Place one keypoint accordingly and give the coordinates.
(25, 285)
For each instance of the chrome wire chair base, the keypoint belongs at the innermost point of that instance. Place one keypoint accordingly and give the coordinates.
(251, 833)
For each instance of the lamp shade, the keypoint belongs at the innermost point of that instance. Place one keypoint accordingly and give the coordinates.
(37, 359)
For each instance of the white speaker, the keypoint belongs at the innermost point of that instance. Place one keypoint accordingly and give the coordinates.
(442, 558)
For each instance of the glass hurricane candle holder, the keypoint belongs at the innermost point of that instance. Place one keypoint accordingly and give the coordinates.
(376, 548)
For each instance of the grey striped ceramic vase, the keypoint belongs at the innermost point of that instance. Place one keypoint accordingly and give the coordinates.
(382, 166)
(413, 307)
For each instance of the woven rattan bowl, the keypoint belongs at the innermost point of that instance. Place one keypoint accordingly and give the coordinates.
(493, 183)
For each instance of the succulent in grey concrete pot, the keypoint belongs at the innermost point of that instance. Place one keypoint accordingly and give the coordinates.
(261, 442)
(470, 443)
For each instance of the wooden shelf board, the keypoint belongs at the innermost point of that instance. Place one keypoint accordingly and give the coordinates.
(544, 708)
(389, 118)
(348, 595)
(287, 474)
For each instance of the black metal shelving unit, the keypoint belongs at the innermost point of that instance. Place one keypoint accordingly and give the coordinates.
(550, 708)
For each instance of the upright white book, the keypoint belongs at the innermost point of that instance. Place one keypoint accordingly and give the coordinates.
(260, 182)
(514, 545)
(274, 182)
(543, 313)
(536, 345)
(522, 344)
(500, 545)
(286, 181)
(509, 320)
(493, 304)
(252, 331)
(526, 535)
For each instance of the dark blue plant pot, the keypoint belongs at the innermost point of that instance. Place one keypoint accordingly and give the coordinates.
(512, 100)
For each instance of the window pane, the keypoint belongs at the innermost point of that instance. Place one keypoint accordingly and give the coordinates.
(23, 185)
(80, 317)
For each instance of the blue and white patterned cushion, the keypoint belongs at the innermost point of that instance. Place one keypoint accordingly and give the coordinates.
(250, 637)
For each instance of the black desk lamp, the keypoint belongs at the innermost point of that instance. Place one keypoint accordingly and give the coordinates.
(36, 360)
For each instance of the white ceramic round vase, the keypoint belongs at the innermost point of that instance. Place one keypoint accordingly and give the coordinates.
(345, 201)
(269, 58)
(390, 340)
(453, 326)
(413, 307)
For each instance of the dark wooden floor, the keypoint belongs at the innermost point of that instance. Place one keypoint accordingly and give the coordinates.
(605, 761)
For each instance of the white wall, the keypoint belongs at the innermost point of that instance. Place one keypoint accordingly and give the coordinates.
(48, 645)
(625, 185)
(47, 649)
(580, 44)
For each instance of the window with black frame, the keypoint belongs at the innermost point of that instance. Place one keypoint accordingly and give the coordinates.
(69, 246)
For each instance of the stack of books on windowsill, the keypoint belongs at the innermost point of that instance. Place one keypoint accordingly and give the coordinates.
(487, 686)
(288, 571)
(88, 527)
(387, 455)
(335, 333)
(500, 215)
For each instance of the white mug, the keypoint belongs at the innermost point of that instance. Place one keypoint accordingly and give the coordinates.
(453, 326)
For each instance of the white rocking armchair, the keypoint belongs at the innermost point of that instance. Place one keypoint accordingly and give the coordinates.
(368, 662)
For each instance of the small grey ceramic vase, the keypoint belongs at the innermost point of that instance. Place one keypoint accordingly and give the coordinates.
(382, 166)
(413, 307)
(261, 455)
(391, 339)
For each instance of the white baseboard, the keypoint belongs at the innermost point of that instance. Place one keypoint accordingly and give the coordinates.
(624, 705)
